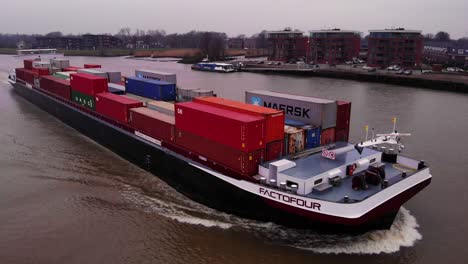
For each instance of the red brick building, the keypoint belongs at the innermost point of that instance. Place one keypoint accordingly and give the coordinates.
(287, 45)
(395, 47)
(334, 46)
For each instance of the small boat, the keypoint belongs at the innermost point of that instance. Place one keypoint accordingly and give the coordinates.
(213, 67)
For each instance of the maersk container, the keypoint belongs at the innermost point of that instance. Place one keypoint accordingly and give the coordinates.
(83, 99)
(157, 90)
(157, 75)
(293, 140)
(343, 114)
(60, 63)
(212, 152)
(274, 150)
(310, 110)
(115, 106)
(240, 131)
(274, 119)
(153, 124)
(88, 84)
(161, 106)
(327, 136)
(56, 86)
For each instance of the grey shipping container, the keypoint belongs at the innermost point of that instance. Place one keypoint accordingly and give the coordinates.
(310, 110)
(112, 76)
(156, 75)
(60, 63)
(41, 64)
(116, 86)
(161, 106)
(144, 100)
(187, 94)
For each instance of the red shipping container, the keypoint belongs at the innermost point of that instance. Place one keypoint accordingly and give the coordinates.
(274, 150)
(90, 66)
(88, 84)
(56, 86)
(71, 68)
(42, 71)
(343, 114)
(28, 64)
(327, 136)
(153, 123)
(242, 162)
(240, 131)
(19, 73)
(274, 119)
(115, 106)
(342, 135)
(26, 75)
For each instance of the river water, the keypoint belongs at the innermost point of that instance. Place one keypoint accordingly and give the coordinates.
(65, 199)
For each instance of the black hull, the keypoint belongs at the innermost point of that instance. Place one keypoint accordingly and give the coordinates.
(195, 183)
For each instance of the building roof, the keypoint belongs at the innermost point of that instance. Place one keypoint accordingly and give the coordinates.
(334, 31)
(285, 32)
(396, 31)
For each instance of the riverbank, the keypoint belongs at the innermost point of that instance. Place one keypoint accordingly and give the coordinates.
(435, 81)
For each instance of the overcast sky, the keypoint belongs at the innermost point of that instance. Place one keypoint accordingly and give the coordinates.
(233, 17)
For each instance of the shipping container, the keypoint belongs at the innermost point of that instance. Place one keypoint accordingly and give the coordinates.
(88, 84)
(60, 63)
(240, 131)
(153, 124)
(187, 94)
(342, 135)
(161, 106)
(93, 72)
(214, 152)
(91, 66)
(116, 88)
(42, 71)
(274, 119)
(312, 136)
(41, 64)
(19, 73)
(63, 75)
(274, 150)
(343, 115)
(157, 75)
(327, 136)
(54, 70)
(115, 106)
(26, 75)
(28, 64)
(310, 110)
(83, 99)
(112, 76)
(56, 86)
(71, 68)
(144, 100)
(157, 90)
(293, 140)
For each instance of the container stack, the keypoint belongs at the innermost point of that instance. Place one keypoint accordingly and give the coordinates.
(59, 63)
(156, 90)
(274, 120)
(84, 88)
(31, 74)
(230, 138)
(153, 124)
(111, 76)
(56, 86)
(115, 106)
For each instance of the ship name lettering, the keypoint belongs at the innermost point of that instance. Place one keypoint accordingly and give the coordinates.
(289, 199)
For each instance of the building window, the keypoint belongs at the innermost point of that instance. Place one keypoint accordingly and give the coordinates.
(318, 181)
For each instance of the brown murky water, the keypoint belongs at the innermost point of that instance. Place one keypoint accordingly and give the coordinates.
(65, 199)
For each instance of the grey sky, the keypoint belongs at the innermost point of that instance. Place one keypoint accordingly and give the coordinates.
(233, 17)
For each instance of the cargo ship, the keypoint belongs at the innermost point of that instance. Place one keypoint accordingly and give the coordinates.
(275, 157)
(214, 67)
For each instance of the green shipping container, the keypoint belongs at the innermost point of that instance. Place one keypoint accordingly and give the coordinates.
(63, 75)
(83, 99)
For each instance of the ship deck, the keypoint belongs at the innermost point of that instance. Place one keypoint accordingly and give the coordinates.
(312, 165)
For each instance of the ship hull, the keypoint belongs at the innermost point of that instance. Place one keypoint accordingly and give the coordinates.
(202, 185)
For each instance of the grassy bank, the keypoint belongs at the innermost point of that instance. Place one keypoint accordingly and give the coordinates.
(7, 51)
(98, 53)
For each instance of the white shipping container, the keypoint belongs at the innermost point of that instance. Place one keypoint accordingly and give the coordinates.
(41, 64)
(60, 63)
(112, 76)
(156, 75)
(93, 72)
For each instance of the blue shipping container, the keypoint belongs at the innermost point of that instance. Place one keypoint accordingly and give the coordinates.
(312, 136)
(157, 90)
